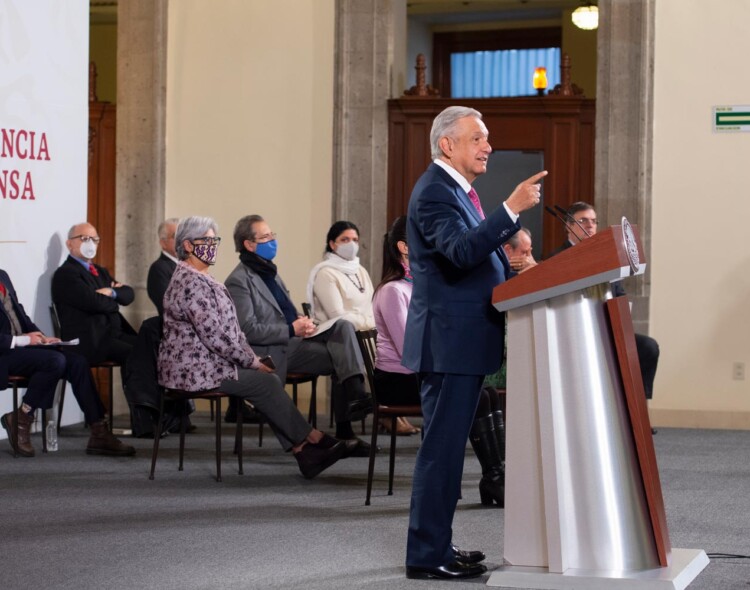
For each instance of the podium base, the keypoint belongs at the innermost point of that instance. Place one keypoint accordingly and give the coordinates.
(686, 565)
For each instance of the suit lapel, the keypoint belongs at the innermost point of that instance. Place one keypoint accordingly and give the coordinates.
(261, 288)
(461, 195)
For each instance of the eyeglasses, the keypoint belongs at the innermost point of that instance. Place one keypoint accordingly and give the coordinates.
(209, 240)
(85, 239)
(266, 238)
(588, 220)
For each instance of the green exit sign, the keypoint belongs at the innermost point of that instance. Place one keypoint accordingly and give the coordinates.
(731, 118)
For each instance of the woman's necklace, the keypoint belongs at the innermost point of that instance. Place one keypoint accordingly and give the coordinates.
(357, 284)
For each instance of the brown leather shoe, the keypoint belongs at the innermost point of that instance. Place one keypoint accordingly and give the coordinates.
(19, 425)
(103, 442)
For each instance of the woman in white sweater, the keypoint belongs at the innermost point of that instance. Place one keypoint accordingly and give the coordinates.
(339, 286)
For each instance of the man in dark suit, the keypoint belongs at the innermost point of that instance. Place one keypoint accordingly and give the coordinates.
(582, 224)
(88, 301)
(454, 337)
(21, 354)
(160, 272)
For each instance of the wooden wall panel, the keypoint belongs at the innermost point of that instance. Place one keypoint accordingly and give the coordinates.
(101, 179)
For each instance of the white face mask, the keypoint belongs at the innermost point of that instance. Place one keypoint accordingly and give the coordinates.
(88, 249)
(348, 251)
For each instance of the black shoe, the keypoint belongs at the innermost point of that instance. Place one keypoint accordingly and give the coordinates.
(450, 571)
(313, 459)
(492, 488)
(467, 557)
(356, 447)
(359, 409)
(249, 415)
(654, 431)
(189, 427)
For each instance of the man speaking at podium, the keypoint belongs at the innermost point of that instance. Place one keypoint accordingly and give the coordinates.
(454, 337)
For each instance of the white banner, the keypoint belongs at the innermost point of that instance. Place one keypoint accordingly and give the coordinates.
(43, 142)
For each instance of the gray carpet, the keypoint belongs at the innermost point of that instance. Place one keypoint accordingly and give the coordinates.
(71, 521)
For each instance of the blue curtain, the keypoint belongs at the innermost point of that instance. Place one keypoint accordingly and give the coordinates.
(486, 74)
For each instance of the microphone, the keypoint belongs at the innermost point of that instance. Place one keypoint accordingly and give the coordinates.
(552, 212)
(307, 309)
(578, 223)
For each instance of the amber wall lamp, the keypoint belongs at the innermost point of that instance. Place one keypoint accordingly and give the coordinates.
(540, 80)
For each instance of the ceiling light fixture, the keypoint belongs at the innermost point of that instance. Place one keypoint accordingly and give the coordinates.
(586, 17)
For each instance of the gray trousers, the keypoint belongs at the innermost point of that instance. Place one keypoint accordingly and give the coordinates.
(334, 351)
(266, 393)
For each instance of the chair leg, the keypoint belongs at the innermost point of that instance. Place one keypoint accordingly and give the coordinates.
(330, 419)
(218, 438)
(111, 400)
(373, 450)
(260, 430)
(60, 405)
(44, 431)
(312, 417)
(211, 404)
(15, 416)
(238, 435)
(157, 436)
(183, 427)
(294, 394)
(392, 465)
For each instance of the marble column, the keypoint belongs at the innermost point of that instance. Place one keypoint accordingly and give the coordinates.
(365, 48)
(624, 127)
(141, 134)
(140, 159)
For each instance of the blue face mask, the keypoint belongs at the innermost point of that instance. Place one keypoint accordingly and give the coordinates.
(267, 250)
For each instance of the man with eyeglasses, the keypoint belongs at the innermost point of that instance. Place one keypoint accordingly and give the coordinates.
(273, 327)
(88, 301)
(582, 216)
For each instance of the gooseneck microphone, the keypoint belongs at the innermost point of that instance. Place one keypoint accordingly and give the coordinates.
(569, 216)
(552, 212)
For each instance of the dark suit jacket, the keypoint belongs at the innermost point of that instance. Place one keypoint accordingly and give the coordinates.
(456, 261)
(6, 334)
(159, 275)
(86, 314)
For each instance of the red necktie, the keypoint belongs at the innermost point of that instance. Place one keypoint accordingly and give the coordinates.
(474, 198)
(92, 270)
(2, 290)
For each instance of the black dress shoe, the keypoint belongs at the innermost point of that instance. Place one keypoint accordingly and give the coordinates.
(450, 571)
(314, 458)
(359, 409)
(356, 447)
(468, 557)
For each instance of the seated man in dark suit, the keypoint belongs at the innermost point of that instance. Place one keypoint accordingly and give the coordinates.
(648, 348)
(272, 326)
(20, 354)
(160, 272)
(88, 301)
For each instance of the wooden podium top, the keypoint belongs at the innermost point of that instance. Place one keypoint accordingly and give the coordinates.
(599, 259)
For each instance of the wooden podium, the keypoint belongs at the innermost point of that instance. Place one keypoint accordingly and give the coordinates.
(583, 501)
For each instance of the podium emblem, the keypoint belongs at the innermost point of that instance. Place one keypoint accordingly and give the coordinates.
(631, 247)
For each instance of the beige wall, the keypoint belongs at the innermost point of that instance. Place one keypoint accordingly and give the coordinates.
(701, 207)
(103, 52)
(249, 123)
(580, 45)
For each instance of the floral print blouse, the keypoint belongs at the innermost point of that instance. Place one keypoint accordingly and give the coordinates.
(202, 343)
